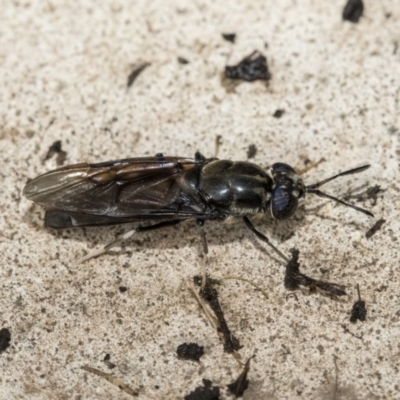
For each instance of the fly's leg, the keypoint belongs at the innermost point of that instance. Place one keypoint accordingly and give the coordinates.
(126, 236)
(218, 142)
(293, 276)
(200, 224)
(264, 239)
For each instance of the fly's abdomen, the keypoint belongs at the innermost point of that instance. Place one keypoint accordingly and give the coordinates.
(241, 188)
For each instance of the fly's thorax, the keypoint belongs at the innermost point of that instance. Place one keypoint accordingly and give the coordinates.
(189, 183)
(238, 188)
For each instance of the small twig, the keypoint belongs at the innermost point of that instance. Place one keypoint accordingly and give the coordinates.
(237, 278)
(112, 379)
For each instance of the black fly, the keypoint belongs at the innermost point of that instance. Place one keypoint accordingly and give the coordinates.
(169, 190)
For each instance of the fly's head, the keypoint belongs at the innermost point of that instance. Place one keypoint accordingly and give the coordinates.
(287, 192)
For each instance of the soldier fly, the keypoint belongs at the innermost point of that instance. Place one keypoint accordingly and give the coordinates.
(169, 190)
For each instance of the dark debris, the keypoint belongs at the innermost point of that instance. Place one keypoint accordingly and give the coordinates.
(353, 11)
(206, 392)
(358, 312)
(183, 61)
(238, 387)
(294, 278)
(278, 113)
(251, 151)
(137, 70)
(190, 351)
(251, 68)
(55, 148)
(5, 339)
(107, 361)
(229, 37)
(377, 226)
(210, 295)
(381, 288)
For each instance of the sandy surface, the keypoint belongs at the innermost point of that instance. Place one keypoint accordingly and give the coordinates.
(64, 68)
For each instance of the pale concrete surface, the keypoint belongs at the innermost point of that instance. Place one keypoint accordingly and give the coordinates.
(63, 70)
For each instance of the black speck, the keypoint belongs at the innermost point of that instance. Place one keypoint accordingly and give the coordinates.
(55, 148)
(377, 226)
(358, 312)
(292, 269)
(122, 289)
(138, 69)
(251, 68)
(238, 387)
(107, 361)
(278, 113)
(206, 392)
(190, 351)
(353, 11)
(229, 37)
(183, 61)
(5, 338)
(252, 151)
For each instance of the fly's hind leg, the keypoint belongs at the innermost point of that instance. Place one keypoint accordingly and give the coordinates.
(204, 251)
(264, 239)
(126, 236)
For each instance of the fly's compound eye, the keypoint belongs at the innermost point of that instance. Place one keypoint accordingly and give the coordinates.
(287, 193)
(283, 203)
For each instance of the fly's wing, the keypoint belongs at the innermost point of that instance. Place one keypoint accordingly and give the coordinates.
(116, 191)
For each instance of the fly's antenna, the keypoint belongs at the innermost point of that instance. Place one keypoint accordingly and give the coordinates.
(314, 188)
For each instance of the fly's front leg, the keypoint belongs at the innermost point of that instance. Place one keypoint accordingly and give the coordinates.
(264, 239)
(126, 236)
(200, 225)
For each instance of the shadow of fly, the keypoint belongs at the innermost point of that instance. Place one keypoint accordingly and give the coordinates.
(169, 190)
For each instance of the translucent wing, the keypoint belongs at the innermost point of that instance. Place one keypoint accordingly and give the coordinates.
(120, 190)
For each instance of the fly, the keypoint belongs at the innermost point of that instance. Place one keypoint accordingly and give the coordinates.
(169, 190)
